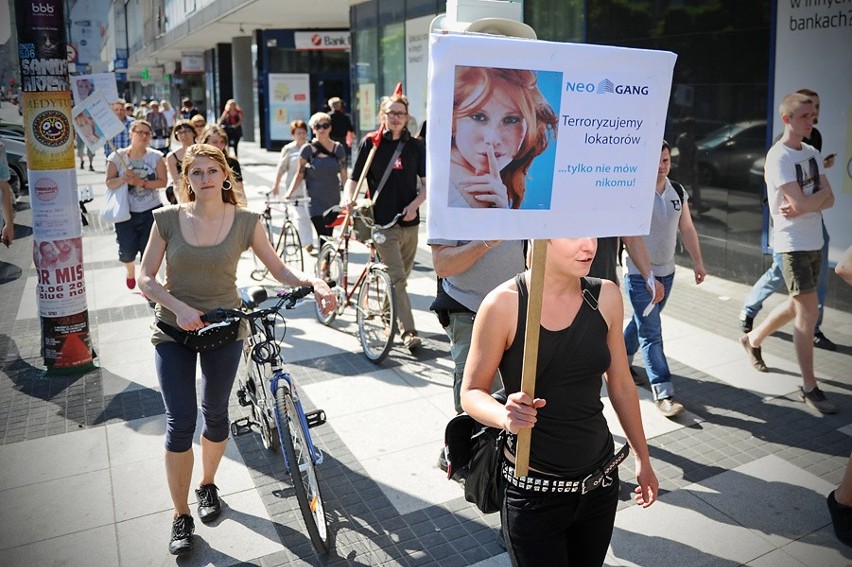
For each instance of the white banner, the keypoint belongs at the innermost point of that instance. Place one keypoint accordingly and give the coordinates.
(534, 139)
(289, 99)
(812, 51)
(417, 66)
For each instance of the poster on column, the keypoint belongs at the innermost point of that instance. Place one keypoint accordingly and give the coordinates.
(535, 139)
(812, 47)
(289, 99)
(57, 230)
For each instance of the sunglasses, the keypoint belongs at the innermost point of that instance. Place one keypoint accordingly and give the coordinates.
(323, 126)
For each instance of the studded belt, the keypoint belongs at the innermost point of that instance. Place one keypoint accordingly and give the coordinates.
(600, 477)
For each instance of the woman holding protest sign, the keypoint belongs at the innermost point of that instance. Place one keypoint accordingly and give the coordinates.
(563, 511)
(501, 123)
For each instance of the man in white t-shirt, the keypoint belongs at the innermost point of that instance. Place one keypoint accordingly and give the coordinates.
(798, 192)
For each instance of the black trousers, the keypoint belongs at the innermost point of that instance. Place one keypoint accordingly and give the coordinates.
(559, 529)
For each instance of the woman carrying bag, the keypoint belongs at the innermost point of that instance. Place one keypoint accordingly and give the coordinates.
(143, 171)
(322, 165)
(399, 161)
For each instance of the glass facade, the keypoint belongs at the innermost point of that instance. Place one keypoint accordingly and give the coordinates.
(717, 111)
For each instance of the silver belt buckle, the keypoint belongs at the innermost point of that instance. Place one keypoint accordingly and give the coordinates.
(583, 489)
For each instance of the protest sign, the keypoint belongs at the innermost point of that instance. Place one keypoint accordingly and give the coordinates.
(536, 139)
(95, 121)
(83, 86)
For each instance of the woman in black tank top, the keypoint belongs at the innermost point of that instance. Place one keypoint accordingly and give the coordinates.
(552, 515)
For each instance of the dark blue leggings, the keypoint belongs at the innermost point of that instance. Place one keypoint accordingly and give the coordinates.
(176, 373)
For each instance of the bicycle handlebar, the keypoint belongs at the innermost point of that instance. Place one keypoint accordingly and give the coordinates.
(286, 299)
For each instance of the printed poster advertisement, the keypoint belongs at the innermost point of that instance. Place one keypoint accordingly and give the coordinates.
(289, 99)
(48, 116)
(533, 139)
(83, 86)
(368, 106)
(54, 202)
(95, 121)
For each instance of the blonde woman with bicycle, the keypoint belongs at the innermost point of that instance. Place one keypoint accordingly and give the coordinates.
(288, 169)
(205, 234)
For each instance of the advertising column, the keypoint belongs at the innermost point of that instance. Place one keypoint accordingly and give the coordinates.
(57, 229)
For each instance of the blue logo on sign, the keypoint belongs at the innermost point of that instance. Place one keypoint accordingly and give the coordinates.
(605, 86)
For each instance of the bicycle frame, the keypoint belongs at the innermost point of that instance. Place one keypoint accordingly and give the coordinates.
(274, 377)
(343, 250)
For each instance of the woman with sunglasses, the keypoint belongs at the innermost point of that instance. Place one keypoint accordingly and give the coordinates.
(322, 164)
(184, 133)
(143, 170)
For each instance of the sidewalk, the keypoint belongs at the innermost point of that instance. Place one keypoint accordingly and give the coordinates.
(744, 472)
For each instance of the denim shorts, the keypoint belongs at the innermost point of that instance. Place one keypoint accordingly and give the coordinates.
(132, 235)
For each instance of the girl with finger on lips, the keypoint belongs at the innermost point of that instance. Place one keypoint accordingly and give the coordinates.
(501, 123)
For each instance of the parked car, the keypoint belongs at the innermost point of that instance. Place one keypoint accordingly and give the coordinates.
(726, 156)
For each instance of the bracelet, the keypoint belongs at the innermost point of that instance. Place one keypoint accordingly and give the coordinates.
(486, 244)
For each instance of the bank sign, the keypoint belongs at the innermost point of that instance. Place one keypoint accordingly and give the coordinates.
(322, 40)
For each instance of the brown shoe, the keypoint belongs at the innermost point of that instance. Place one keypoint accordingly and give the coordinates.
(754, 355)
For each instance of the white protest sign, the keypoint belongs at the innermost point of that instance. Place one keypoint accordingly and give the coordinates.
(548, 139)
(95, 121)
(83, 86)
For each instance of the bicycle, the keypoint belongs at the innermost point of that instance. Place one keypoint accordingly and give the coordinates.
(375, 309)
(275, 405)
(288, 244)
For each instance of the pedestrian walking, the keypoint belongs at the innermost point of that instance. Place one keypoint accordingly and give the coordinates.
(143, 170)
(231, 121)
(205, 234)
(288, 168)
(184, 133)
(555, 515)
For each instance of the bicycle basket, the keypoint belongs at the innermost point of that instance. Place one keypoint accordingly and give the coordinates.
(362, 220)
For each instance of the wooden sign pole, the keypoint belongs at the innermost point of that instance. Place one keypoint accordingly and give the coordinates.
(530, 362)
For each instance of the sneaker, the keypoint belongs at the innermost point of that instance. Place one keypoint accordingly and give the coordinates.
(182, 529)
(669, 407)
(841, 519)
(91, 168)
(442, 460)
(209, 506)
(754, 356)
(411, 341)
(823, 342)
(309, 248)
(746, 323)
(131, 283)
(817, 400)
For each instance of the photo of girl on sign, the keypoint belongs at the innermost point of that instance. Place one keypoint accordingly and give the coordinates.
(501, 123)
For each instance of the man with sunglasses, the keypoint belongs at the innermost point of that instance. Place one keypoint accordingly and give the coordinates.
(400, 159)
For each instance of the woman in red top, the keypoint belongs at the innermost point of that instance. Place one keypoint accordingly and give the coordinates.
(232, 121)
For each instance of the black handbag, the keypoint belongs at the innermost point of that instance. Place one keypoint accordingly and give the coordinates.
(204, 341)
(475, 452)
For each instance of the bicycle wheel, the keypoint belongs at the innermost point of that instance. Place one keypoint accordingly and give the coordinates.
(376, 315)
(330, 268)
(290, 247)
(301, 467)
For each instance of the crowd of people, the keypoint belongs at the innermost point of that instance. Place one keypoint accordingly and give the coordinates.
(483, 288)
